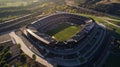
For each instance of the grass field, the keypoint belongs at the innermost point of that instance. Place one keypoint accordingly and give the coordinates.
(14, 3)
(117, 22)
(64, 31)
(103, 22)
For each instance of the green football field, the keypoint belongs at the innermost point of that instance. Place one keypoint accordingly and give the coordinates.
(64, 31)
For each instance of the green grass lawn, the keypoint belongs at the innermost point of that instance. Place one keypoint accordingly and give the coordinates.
(114, 17)
(14, 3)
(60, 27)
(103, 22)
(64, 31)
(117, 22)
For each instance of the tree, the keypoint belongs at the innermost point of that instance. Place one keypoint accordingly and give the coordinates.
(23, 58)
(34, 57)
(6, 65)
(17, 64)
(2, 63)
(6, 49)
(8, 55)
(19, 46)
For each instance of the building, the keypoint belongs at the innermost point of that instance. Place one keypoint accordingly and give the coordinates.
(81, 50)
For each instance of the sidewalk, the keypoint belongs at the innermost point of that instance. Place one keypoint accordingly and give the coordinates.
(27, 51)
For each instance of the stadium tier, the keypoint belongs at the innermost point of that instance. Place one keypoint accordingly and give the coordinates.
(67, 40)
(38, 28)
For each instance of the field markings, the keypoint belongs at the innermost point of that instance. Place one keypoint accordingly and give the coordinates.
(66, 33)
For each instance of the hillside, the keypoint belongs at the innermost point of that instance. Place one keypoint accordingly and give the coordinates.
(108, 6)
(86, 2)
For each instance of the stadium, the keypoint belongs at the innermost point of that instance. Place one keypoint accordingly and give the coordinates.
(67, 40)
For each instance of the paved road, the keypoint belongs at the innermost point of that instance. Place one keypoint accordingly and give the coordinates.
(11, 25)
(7, 28)
(17, 25)
(19, 22)
(111, 23)
(99, 17)
(27, 51)
(111, 19)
